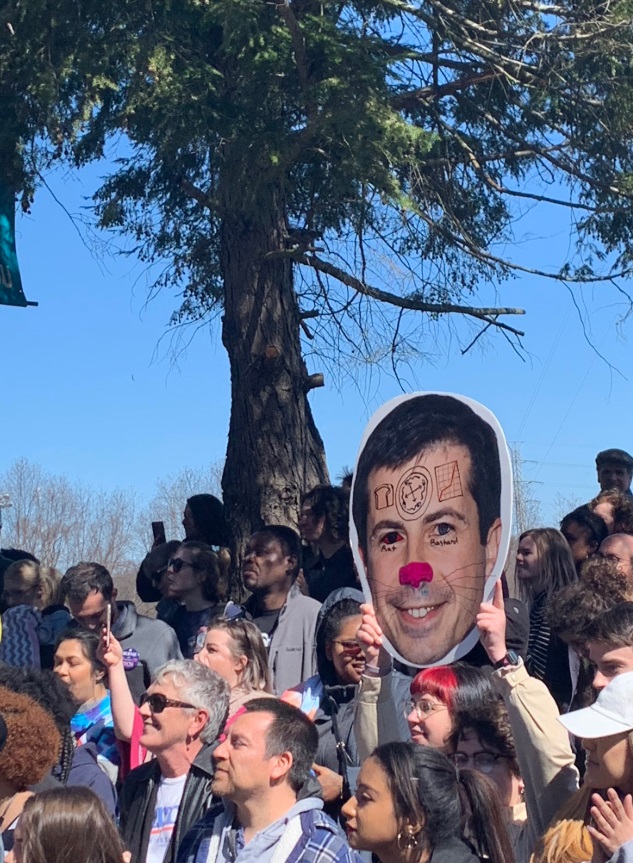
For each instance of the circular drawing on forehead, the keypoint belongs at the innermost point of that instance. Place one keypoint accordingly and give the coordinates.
(430, 536)
(414, 492)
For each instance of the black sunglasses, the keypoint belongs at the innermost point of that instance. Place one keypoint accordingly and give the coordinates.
(158, 702)
(177, 563)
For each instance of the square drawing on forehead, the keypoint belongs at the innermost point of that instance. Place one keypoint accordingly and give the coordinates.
(448, 480)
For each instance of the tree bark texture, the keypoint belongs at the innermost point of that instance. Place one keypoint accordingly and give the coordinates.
(275, 452)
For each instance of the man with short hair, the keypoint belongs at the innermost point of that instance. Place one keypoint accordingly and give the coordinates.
(88, 590)
(286, 618)
(260, 769)
(183, 713)
(615, 470)
(610, 644)
(618, 548)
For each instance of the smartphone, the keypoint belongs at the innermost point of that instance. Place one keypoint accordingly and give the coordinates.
(158, 529)
(108, 625)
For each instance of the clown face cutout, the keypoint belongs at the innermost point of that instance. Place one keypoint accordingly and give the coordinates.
(430, 523)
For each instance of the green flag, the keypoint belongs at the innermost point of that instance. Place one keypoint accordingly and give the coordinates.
(11, 293)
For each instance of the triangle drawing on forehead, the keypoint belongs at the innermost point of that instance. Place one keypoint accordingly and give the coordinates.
(431, 515)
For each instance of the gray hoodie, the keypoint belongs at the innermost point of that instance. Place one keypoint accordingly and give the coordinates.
(146, 644)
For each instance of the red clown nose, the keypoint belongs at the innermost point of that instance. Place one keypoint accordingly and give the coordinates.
(415, 573)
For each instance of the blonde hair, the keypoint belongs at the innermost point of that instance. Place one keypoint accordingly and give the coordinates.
(246, 640)
(567, 840)
(34, 575)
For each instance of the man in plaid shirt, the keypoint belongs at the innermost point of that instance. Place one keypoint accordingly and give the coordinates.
(260, 768)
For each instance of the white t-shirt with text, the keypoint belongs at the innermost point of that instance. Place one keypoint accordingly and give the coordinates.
(167, 805)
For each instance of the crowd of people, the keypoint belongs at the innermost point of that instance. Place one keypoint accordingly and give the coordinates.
(276, 727)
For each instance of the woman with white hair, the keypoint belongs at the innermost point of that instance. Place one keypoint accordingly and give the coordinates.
(183, 713)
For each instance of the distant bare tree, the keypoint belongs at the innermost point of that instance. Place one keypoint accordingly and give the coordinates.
(171, 494)
(63, 522)
(562, 504)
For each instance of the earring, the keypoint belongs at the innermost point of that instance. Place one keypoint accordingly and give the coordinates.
(407, 840)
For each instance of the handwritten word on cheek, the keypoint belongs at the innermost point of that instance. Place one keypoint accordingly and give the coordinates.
(442, 541)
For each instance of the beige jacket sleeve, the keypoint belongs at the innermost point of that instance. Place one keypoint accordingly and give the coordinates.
(375, 720)
(544, 752)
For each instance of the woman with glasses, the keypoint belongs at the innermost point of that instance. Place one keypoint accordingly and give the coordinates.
(411, 806)
(234, 648)
(482, 740)
(193, 579)
(329, 698)
(77, 664)
(437, 695)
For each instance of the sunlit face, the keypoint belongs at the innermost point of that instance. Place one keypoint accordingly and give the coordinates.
(609, 662)
(613, 475)
(92, 612)
(265, 564)
(619, 550)
(310, 527)
(609, 762)
(425, 563)
(528, 565)
(370, 818)
(578, 540)
(73, 666)
(170, 729)
(217, 654)
(18, 591)
(430, 721)
(187, 581)
(471, 752)
(345, 653)
(241, 766)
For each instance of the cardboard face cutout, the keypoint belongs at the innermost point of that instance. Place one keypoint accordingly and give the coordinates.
(430, 518)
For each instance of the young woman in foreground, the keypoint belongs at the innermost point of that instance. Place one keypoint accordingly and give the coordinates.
(411, 806)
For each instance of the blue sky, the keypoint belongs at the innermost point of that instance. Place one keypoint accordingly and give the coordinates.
(91, 388)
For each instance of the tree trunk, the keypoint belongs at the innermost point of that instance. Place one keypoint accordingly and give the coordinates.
(274, 452)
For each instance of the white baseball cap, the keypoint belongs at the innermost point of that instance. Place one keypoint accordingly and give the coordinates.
(611, 712)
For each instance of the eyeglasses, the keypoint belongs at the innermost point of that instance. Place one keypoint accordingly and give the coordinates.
(158, 702)
(348, 646)
(177, 563)
(422, 708)
(484, 762)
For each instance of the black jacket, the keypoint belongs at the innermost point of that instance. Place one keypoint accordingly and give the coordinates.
(138, 802)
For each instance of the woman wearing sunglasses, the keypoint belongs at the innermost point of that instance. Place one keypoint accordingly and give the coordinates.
(193, 579)
(411, 805)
